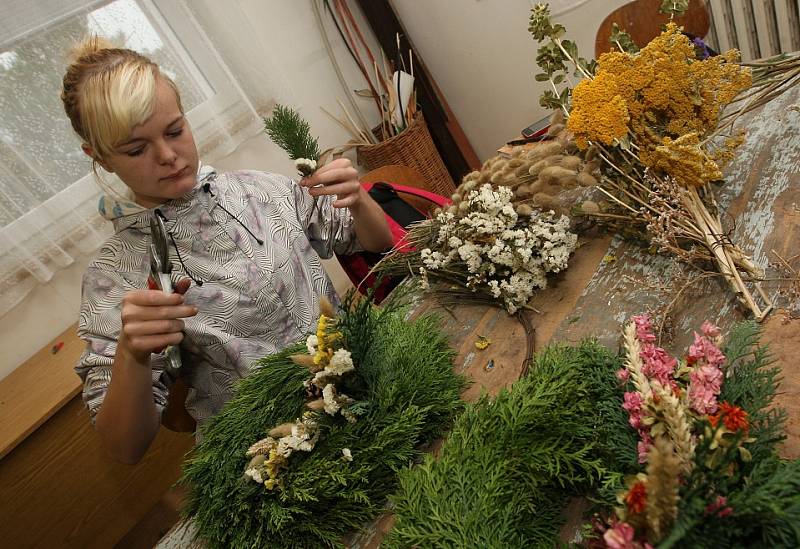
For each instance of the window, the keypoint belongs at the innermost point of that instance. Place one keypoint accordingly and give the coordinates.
(47, 196)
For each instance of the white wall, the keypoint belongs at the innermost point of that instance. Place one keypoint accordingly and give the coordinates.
(275, 49)
(484, 59)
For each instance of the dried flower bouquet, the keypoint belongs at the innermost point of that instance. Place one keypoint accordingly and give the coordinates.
(490, 245)
(699, 446)
(662, 122)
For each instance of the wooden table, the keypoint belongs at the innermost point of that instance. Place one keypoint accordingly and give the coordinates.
(610, 280)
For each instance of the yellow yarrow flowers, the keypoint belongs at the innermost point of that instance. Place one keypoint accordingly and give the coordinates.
(599, 112)
(667, 99)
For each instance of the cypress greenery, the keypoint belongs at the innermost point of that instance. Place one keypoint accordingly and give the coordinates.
(406, 392)
(507, 468)
(291, 133)
(753, 386)
(763, 493)
(510, 464)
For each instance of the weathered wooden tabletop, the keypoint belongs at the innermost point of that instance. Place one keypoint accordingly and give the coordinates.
(610, 280)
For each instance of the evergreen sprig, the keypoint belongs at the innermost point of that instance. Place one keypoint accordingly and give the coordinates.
(763, 493)
(752, 386)
(511, 462)
(407, 393)
(291, 133)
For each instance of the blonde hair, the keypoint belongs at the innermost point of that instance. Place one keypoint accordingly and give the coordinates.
(107, 91)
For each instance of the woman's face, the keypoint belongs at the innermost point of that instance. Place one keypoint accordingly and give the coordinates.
(159, 161)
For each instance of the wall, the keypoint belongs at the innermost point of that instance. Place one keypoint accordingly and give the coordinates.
(276, 50)
(484, 59)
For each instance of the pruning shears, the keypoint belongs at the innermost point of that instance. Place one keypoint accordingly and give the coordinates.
(159, 279)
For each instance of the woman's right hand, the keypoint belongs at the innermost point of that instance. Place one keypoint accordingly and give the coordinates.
(152, 320)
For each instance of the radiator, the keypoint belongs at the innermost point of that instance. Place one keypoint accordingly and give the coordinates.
(757, 28)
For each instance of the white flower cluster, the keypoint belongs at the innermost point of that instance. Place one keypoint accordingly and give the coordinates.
(339, 364)
(306, 166)
(269, 455)
(504, 253)
(311, 344)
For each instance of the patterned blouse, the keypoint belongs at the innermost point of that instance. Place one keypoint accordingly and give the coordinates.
(255, 299)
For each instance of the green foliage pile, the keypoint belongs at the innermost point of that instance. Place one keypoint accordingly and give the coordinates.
(407, 394)
(291, 133)
(504, 475)
(764, 493)
(511, 462)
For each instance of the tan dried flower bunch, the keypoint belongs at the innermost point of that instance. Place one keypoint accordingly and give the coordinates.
(538, 175)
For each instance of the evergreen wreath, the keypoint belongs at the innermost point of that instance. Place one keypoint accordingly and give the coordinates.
(405, 394)
(510, 463)
(503, 477)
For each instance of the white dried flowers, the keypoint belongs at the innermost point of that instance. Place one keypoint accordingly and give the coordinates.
(306, 166)
(503, 252)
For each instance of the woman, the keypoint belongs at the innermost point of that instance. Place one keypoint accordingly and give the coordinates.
(251, 241)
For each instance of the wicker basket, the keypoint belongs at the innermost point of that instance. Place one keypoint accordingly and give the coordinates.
(412, 147)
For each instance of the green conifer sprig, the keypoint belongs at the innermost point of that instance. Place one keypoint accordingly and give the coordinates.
(764, 493)
(752, 386)
(290, 132)
(511, 462)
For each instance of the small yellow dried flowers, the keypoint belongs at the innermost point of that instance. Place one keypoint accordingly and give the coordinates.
(599, 112)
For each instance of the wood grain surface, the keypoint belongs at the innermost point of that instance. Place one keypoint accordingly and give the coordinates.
(60, 489)
(642, 20)
(38, 388)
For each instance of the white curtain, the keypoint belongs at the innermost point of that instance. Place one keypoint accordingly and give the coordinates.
(48, 198)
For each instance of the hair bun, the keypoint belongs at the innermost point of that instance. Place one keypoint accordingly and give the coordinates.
(88, 46)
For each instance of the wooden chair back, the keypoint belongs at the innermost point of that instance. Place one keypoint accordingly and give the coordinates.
(403, 175)
(642, 20)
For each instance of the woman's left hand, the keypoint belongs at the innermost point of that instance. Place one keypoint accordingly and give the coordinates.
(338, 177)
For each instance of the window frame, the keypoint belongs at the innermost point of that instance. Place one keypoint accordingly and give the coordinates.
(180, 30)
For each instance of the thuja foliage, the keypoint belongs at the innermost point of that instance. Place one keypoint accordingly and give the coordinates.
(406, 392)
(291, 133)
(511, 462)
(762, 493)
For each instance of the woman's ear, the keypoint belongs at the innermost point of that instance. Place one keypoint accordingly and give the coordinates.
(89, 151)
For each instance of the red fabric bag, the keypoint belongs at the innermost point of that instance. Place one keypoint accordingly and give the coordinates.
(399, 215)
